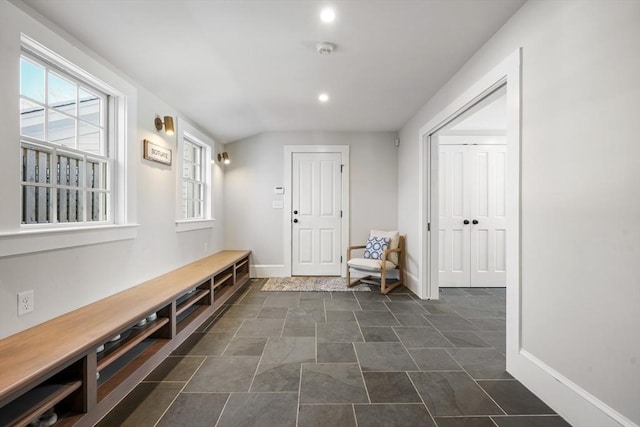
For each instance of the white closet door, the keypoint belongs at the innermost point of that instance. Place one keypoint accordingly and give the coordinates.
(472, 217)
(316, 203)
(488, 209)
(454, 207)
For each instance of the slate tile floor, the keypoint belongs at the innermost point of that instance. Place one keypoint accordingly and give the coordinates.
(341, 359)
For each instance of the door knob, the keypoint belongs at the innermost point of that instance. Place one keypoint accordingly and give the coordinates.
(295, 212)
(465, 222)
(475, 221)
(295, 220)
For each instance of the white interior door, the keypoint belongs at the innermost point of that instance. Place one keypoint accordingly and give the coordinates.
(316, 214)
(472, 220)
(488, 215)
(454, 208)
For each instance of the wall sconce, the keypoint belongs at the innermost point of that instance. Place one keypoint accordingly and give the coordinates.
(168, 124)
(224, 158)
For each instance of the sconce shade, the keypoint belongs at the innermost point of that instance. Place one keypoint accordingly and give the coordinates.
(224, 157)
(167, 123)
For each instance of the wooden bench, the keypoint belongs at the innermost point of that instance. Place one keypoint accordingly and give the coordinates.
(56, 363)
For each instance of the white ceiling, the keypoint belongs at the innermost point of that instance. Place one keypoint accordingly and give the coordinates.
(237, 68)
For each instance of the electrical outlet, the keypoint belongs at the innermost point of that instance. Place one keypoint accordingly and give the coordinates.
(25, 302)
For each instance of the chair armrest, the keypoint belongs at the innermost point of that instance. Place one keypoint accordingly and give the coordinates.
(385, 254)
(392, 250)
(351, 248)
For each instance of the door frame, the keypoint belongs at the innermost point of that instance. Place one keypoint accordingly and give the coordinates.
(507, 72)
(289, 150)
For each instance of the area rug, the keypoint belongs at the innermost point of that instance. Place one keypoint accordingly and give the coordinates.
(310, 284)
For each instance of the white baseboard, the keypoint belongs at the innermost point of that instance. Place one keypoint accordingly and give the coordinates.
(411, 282)
(576, 405)
(265, 270)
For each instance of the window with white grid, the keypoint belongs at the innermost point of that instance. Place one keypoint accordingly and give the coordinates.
(193, 180)
(66, 165)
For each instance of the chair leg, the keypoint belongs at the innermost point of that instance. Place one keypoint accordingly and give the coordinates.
(349, 284)
(383, 283)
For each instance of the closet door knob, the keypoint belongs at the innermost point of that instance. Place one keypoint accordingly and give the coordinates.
(475, 221)
(295, 220)
(295, 212)
(465, 222)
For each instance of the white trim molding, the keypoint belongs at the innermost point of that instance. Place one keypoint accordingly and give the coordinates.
(575, 404)
(411, 282)
(288, 160)
(193, 224)
(265, 270)
(45, 240)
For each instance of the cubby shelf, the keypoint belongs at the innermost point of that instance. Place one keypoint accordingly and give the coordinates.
(193, 299)
(64, 377)
(36, 402)
(119, 371)
(137, 335)
(221, 281)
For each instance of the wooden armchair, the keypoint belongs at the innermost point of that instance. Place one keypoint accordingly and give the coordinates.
(376, 269)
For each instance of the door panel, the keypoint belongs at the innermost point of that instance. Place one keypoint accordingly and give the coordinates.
(327, 249)
(316, 196)
(488, 208)
(454, 208)
(305, 246)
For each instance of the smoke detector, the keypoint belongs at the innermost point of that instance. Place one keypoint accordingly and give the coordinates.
(325, 48)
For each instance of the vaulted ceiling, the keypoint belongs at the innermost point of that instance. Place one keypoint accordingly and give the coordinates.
(237, 68)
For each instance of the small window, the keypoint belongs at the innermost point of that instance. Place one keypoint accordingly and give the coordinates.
(65, 158)
(193, 180)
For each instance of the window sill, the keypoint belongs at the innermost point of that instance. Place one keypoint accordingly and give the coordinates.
(193, 224)
(31, 241)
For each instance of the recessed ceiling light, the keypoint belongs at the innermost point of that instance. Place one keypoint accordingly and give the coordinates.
(323, 97)
(327, 15)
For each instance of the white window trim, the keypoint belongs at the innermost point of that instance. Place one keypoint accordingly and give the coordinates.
(207, 221)
(45, 240)
(15, 239)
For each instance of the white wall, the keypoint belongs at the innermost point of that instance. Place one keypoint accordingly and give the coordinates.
(66, 279)
(580, 194)
(257, 166)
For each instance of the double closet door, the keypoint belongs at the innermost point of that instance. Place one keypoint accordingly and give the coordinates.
(472, 214)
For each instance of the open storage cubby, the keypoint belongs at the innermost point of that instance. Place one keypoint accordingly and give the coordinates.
(193, 303)
(57, 364)
(223, 280)
(62, 392)
(134, 347)
(242, 270)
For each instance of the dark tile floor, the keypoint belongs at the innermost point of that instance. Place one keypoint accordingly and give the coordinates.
(341, 359)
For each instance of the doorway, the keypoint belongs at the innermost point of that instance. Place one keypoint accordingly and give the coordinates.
(471, 167)
(316, 210)
(507, 72)
(316, 213)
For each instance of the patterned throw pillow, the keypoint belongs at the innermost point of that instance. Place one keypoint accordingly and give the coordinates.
(376, 246)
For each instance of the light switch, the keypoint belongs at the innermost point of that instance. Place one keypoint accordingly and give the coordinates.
(277, 204)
